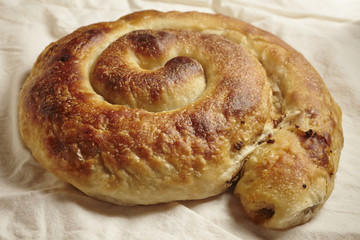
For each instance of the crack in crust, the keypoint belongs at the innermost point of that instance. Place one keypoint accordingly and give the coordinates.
(158, 107)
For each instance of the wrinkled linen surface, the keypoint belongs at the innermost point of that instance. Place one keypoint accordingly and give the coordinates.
(35, 205)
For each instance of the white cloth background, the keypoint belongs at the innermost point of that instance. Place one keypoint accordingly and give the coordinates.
(35, 205)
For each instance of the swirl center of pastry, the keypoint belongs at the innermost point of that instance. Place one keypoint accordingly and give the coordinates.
(147, 69)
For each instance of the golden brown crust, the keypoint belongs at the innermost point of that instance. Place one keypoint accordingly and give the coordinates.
(142, 110)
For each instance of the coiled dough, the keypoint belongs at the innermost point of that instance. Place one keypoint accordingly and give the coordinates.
(166, 106)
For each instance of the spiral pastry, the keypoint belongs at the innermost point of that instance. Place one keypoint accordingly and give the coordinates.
(158, 107)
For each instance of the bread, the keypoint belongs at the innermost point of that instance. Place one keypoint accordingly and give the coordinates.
(166, 106)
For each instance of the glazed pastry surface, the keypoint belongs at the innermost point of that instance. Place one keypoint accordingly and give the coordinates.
(166, 106)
